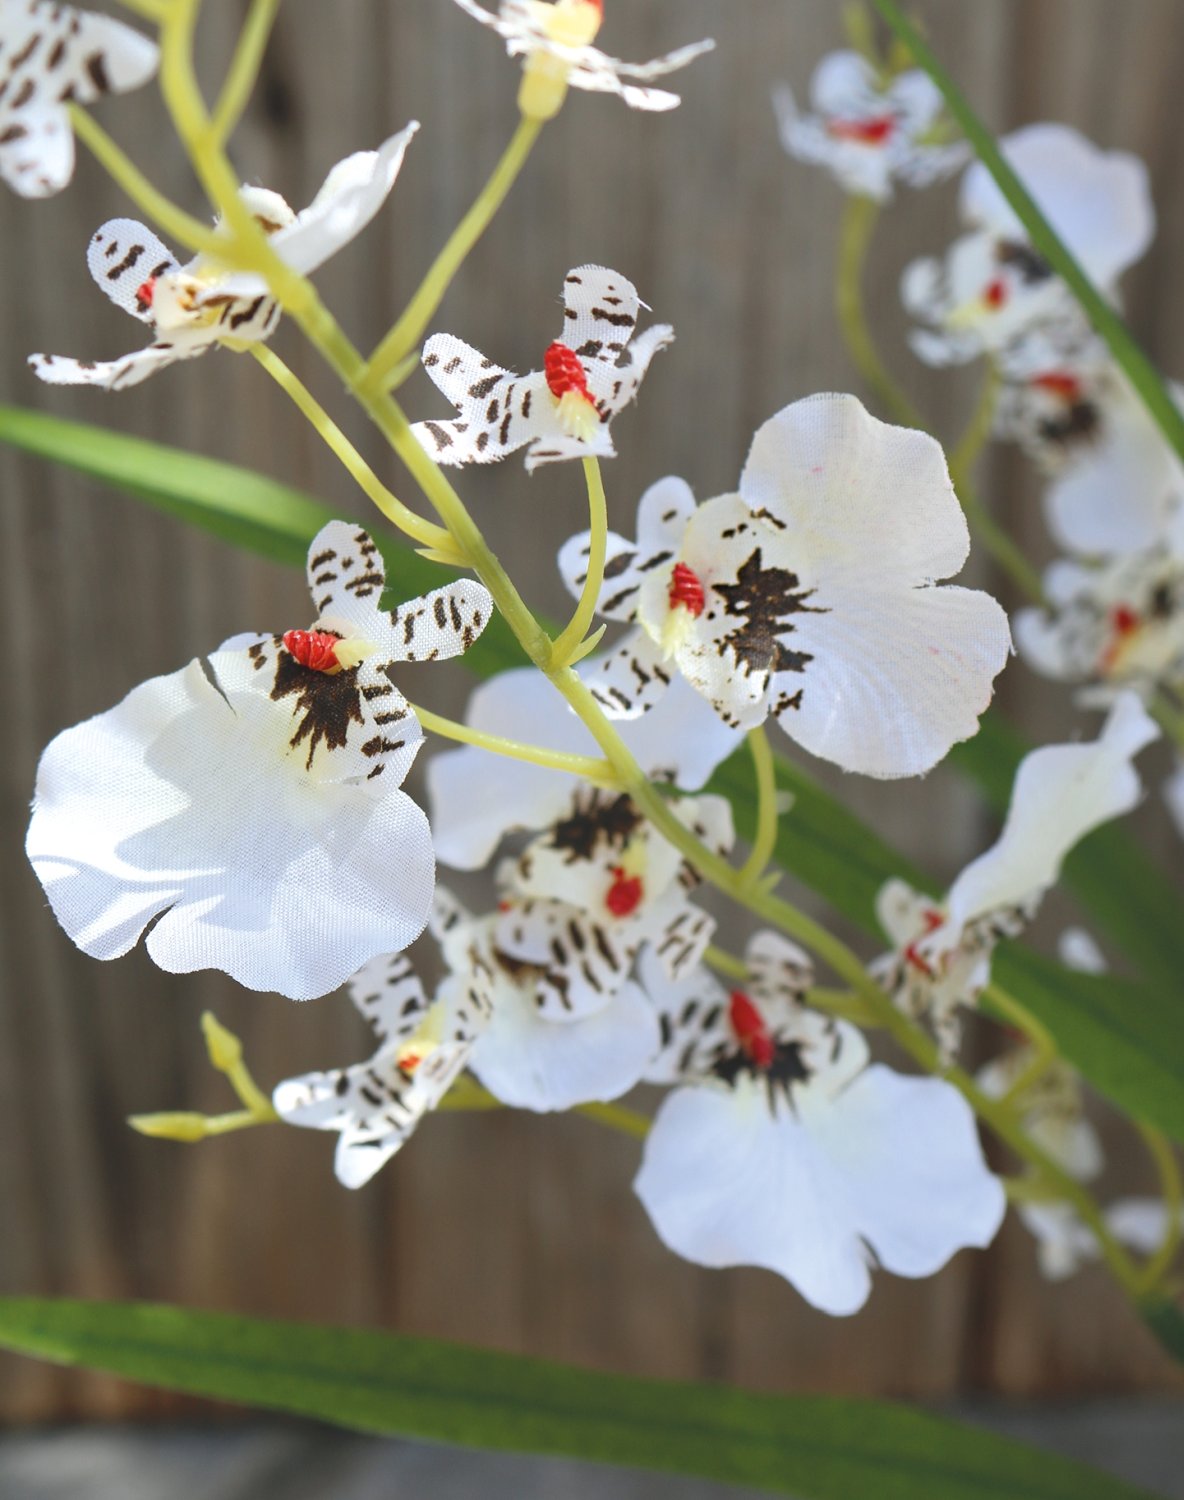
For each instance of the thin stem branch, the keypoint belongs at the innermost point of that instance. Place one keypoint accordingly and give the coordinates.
(974, 439)
(410, 327)
(416, 527)
(567, 646)
(725, 963)
(1172, 1191)
(244, 67)
(187, 231)
(765, 838)
(587, 767)
(860, 216)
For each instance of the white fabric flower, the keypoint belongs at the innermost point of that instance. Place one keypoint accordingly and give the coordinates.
(809, 595)
(1064, 1243)
(244, 812)
(942, 949)
(476, 797)
(528, 1054)
(1116, 484)
(993, 286)
(562, 411)
(585, 896)
(194, 307)
(1115, 626)
(1052, 1110)
(869, 129)
(556, 41)
(376, 1105)
(52, 55)
(783, 1149)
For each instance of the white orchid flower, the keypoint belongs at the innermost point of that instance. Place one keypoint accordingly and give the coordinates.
(1112, 626)
(245, 812)
(809, 595)
(192, 308)
(942, 951)
(562, 411)
(556, 41)
(1064, 1243)
(423, 1047)
(993, 286)
(782, 1148)
(52, 55)
(585, 896)
(1052, 1110)
(528, 1054)
(868, 129)
(476, 798)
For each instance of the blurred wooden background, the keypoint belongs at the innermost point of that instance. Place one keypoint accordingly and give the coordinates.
(509, 1231)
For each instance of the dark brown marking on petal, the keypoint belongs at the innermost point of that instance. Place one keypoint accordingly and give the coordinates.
(595, 820)
(96, 68)
(482, 388)
(617, 320)
(765, 600)
(326, 703)
(442, 436)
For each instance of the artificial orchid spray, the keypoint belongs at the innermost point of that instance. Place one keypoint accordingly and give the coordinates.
(623, 780)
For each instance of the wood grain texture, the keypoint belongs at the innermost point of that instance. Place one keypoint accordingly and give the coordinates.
(515, 1232)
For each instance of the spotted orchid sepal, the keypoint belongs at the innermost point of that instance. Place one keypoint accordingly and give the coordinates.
(810, 594)
(192, 308)
(476, 798)
(562, 411)
(555, 39)
(993, 287)
(245, 813)
(942, 950)
(589, 892)
(424, 1046)
(782, 1148)
(528, 1055)
(51, 56)
(869, 129)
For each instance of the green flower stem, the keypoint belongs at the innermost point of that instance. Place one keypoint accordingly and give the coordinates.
(244, 67)
(587, 767)
(725, 963)
(765, 839)
(420, 530)
(567, 646)
(187, 1127)
(407, 332)
(1003, 549)
(187, 231)
(1172, 1191)
(974, 439)
(860, 216)
(247, 246)
(1138, 368)
(1170, 719)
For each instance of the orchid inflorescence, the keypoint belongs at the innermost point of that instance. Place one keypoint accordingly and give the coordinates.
(211, 811)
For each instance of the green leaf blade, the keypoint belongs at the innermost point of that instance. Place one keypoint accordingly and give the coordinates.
(815, 1448)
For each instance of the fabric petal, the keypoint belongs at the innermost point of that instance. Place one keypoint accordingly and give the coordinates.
(1060, 793)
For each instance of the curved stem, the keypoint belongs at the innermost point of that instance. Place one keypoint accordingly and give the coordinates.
(1172, 1191)
(409, 329)
(187, 1127)
(187, 231)
(765, 838)
(978, 430)
(617, 1117)
(860, 216)
(1002, 548)
(725, 963)
(244, 67)
(426, 532)
(567, 645)
(587, 767)
(1169, 718)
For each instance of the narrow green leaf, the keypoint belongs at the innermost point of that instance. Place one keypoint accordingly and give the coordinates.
(815, 1448)
(1166, 1322)
(1141, 372)
(238, 505)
